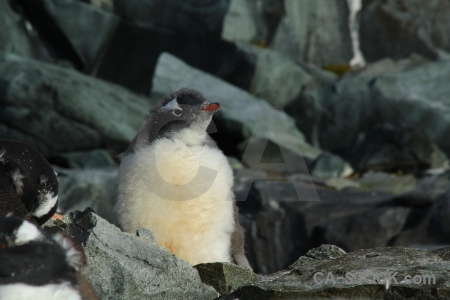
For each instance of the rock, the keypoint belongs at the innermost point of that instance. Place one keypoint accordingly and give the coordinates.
(329, 165)
(255, 119)
(191, 17)
(225, 277)
(411, 93)
(389, 149)
(396, 29)
(16, 37)
(60, 110)
(95, 188)
(277, 78)
(284, 219)
(95, 159)
(124, 266)
(389, 183)
(315, 32)
(240, 22)
(133, 66)
(351, 232)
(363, 274)
(77, 21)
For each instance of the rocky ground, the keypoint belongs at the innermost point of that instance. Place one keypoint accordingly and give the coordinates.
(325, 150)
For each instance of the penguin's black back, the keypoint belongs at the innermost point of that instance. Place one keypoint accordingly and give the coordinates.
(36, 174)
(38, 261)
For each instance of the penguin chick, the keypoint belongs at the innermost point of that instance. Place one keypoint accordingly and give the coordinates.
(36, 266)
(174, 181)
(28, 184)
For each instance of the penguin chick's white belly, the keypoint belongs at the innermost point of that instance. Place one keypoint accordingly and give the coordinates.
(21, 291)
(154, 183)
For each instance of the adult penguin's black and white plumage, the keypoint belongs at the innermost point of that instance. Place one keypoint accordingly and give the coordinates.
(28, 183)
(174, 181)
(34, 265)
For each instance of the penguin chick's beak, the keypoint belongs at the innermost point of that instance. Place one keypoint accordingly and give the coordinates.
(210, 107)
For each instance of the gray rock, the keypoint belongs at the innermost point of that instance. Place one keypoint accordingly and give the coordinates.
(328, 165)
(198, 18)
(251, 115)
(315, 32)
(393, 28)
(390, 149)
(284, 219)
(403, 94)
(277, 78)
(60, 110)
(77, 21)
(95, 188)
(225, 277)
(240, 22)
(389, 183)
(124, 266)
(378, 273)
(18, 37)
(94, 159)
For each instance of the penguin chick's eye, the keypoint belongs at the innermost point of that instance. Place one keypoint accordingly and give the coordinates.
(177, 112)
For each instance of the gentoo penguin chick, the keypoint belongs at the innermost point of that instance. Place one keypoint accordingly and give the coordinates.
(28, 184)
(174, 181)
(36, 266)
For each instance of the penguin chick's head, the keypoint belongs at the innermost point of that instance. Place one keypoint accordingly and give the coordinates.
(184, 109)
(15, 231)
(184, 114)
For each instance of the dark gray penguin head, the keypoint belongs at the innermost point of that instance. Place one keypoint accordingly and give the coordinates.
(28, 175)
(184, 114)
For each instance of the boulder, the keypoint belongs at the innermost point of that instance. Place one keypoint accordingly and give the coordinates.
(77, 21)
(95, 159)
(250, 117)
(396, 29)
(60, 110)
(16, 36)
(191, 17)
(411, 93)
(286, 218)
(390, 149)
(225, 277)
(328, 272)
(277, 78)
(94, 188)
(125, 266)
(133, 66)
(315, 32)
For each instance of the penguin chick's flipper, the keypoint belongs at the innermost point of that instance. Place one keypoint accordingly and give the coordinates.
(28, 181)
(238, 242)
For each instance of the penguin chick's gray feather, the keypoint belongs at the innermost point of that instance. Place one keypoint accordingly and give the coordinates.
(174, 181)
(34, 265)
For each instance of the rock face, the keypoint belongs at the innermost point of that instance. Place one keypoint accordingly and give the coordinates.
(315, 32)
(124, 266)
(15, 37)
(77, 21)
(94, 188)
(249, 116)
(328, 272)
(286, 218)
(57, 109)
(396, 29)
(408, 94)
